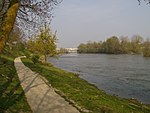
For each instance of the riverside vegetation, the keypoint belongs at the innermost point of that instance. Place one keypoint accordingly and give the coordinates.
(115, 45)
(84, 96)
(12, 99)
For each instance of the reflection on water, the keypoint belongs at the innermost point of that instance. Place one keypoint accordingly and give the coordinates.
(124, 75)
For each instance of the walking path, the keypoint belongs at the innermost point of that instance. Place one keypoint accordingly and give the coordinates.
(41, 97)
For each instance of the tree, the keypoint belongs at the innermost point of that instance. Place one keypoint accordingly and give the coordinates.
(112, 45)
(44, 43)
(147, 1)
(16, 35)
(82, 48)
(136, 44)
(27, 10)
(125, 45)
(146, 48)
(90, 47)
(8, 19)
(15, 40)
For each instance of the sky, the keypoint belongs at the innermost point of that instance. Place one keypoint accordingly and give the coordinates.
(79, 21)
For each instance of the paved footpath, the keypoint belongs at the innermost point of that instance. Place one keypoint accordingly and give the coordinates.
(41, 97)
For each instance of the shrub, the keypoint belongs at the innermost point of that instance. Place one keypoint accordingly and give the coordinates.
(35, 58)
(27, 53)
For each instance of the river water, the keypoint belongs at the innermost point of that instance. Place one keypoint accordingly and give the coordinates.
(127, 76)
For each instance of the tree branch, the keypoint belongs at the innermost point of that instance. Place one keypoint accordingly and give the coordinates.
(23, 12)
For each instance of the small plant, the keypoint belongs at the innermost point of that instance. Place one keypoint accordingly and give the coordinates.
(105, 109)
(35, 58)
(27, 53)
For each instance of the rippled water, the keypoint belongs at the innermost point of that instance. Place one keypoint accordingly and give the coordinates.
(124, 75)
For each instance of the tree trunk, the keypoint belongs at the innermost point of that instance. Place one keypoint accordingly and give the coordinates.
(45, 58)
(8, 23)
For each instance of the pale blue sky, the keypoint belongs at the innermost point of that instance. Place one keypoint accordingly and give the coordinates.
(78, 21)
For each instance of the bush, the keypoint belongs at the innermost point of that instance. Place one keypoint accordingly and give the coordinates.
(35, 58)
(146, 49)
(27, 53)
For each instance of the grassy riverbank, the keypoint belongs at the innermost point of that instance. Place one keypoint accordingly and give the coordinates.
(12, 99)
(83, 95)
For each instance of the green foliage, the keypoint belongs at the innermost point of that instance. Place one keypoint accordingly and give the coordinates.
(125, 45)
(28, 10)
(44, 43)
(26, 53)
(13, 53)
(90, 47)
(83, 94)
(35, 58)
(12, 99)
(146, 49)
(15, 46)
(136, 44)
(110, 46)
(114, 45)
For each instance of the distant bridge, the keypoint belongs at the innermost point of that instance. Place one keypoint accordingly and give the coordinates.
(72, 50)
(69, 50)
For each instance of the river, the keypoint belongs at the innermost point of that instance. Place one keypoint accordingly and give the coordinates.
(127, 76)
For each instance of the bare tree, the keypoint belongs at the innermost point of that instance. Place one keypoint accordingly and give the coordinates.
(28, 12)
(147, 1)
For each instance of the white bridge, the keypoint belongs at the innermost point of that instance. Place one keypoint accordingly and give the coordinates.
(69, 50)
(72, 50)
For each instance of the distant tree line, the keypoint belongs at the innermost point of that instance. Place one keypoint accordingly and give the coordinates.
(115, 45)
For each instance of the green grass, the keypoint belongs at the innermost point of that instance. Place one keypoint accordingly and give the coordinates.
(12, 99)
(81, 93)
